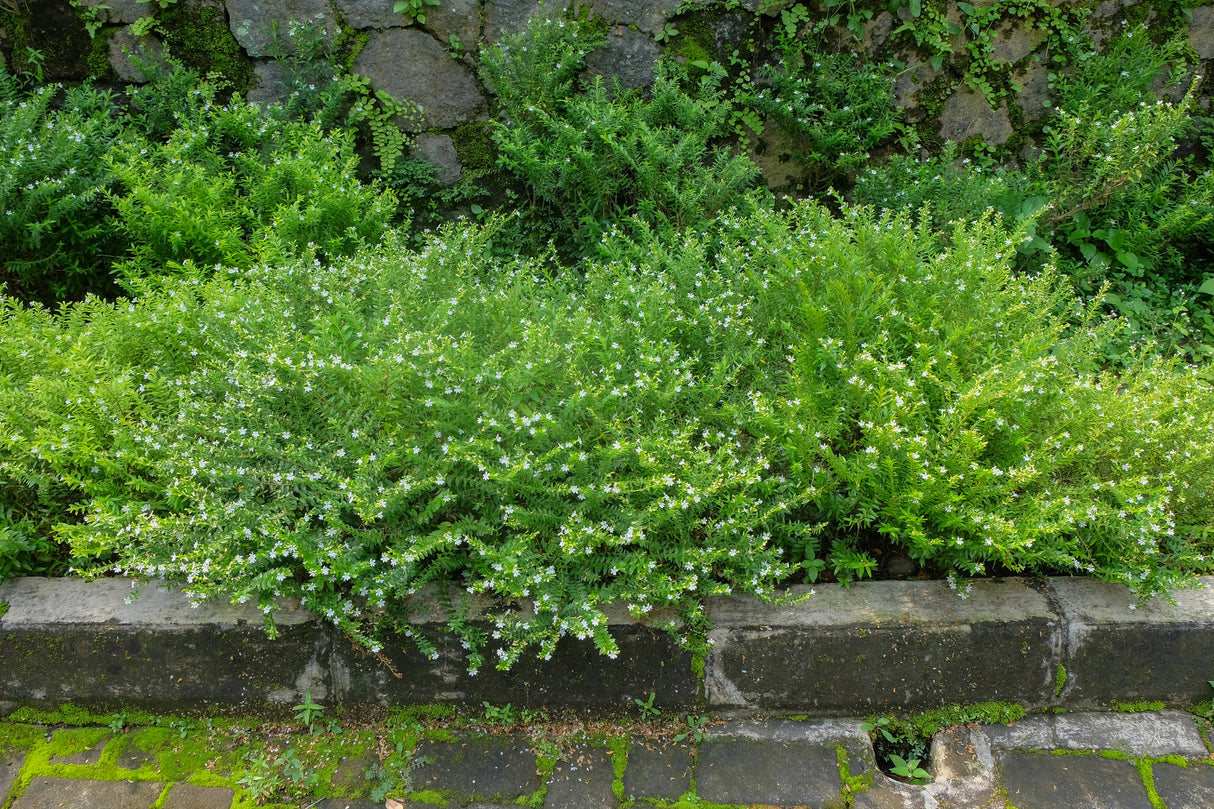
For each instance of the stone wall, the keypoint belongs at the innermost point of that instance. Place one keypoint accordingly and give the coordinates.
(434, 63)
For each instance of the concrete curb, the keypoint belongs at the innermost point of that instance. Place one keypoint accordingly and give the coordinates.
(873, 647)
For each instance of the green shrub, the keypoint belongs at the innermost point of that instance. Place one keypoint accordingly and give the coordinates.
(232, 185)
(1108, 198)
(55, 228)
(1124, 208)
(835, 106)
(589, 157)
(351, 434)
(692, 416)
(954, 409)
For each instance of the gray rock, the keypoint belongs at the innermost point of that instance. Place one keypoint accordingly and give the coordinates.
(252, 21)
(909, 82)
(648, 15)
(1201, 32)
(886, 793)
(967, 114)
(1014, 42)
(1035, 98)
(118, 11)
(877, 31)
(460, 18)
(962, 767)
(411, 66)
(1110, 7)
(627, 55)
(439, 150)
(268, 78)
(123, 44)
(511, 16)
(775, 160)
(372, 14)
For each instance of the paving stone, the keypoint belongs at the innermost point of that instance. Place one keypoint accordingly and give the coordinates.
(1036, 781)
(657, 770)
(80, 793)
(11, 762)
(962, 766)
(776, 763)
(1032, 733)
(1158, 733)
(87, 757)
(351, 773)
(346, 803)
(582, 779)
(487, 766)
(189, 796)
(1189, 787)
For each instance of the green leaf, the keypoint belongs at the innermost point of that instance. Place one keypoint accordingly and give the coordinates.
(1207, 288)
(915, 8)
(968, 9)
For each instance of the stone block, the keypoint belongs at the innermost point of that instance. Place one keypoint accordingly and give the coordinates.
(875, 647)
(189, 796)
(1118, 649)
(11, 762)
(650, 661)
(65, 639)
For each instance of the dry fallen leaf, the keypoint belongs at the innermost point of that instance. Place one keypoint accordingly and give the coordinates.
(393, 804)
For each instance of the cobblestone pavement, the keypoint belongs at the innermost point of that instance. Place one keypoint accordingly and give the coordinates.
(1070, 761)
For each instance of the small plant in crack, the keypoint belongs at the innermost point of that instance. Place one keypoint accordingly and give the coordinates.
(695, 729)
(909, 770)
(648, 711)
(899, 749)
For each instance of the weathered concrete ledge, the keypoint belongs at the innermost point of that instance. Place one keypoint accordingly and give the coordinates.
(875, 646)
